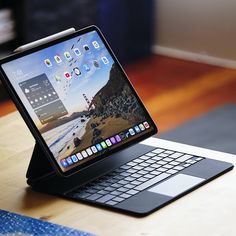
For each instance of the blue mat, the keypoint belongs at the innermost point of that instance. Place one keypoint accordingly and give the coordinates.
(214, 130)
(14, 224)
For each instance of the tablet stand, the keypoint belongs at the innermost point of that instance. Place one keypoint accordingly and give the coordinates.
(40, 167)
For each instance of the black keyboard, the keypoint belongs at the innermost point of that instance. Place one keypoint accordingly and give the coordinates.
(134, 177)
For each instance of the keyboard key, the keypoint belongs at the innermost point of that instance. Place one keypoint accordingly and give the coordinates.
(81, 195)
(149, 169)
(125, 174)
(157, 158)
(129, 178)
(112, 180)
(135, 182)
(103, 192)
(118, 177)
(142, 179)
(161, 169)
(105, 184)
(109, 189)
(112, 203)
(149, 176)
(122, 182)
(122, 189)
(176, 155)
(118, 199)
(184, 158)
(105, 198)
(156, 165)
(174, 163)
(135, 175)
(94, 197)
(138, 160)
(125, 167)
(187, 165)
(152, 181)
(144, 164)
(168, 166)
(163, 155)
(131, 163)
(91, 190)
(142, 172)
(144, 157)
(132, 192)
(162, 162)
(116, 193)
(131, 171)
(155, 172)
(169, 152)
(171, 171)
(138, 167)
(150, 154)
(158, 150)
(199, 159)
(167, 159)
(178, 168)
(150, 161)
(129, 186)
(117, 185)
(125, 195)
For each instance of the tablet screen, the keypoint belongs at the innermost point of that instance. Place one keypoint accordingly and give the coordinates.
(79, 99)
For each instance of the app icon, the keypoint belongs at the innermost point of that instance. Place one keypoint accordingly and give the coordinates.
(58, 78)
(94, 149)
(99, 147)
(86, 67)
(84, 154)
(67, 55)
(67, 75)
(95, 44)
(113, 140)
(122, 135)
(141, 127)
(79, 156)
(74, 158)
(131, 131)
(96, 64)
(127, 134)
(118, 139)
(105, 60)
(69, 161)
(47, 62)
(86, 47)
(89, 151)
(77, 71)
(64, 163)
(146, 125)
(103, 144)
(57, 59)
(108, 142)
(137, 130)
(77, 52)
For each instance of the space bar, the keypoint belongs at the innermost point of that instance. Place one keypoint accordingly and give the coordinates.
(152, 181)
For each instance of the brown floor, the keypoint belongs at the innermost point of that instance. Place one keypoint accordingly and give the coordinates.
(175, 91)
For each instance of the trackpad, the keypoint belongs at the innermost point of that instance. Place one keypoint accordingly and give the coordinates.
(176, 185)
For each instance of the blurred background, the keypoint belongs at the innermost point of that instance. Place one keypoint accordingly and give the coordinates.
(179, 55)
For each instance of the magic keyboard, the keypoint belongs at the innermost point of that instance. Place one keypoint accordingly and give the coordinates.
(134, 176)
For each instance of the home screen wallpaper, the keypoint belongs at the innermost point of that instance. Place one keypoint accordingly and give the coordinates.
(78, 98)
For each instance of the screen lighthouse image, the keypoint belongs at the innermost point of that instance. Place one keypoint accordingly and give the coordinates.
(79, 99)
(107, 114)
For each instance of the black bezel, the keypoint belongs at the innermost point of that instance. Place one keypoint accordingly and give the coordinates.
(34, 130)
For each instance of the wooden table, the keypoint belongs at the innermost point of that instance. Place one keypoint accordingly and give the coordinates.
(210, 210)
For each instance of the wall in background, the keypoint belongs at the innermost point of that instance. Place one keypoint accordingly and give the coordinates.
(201, 30)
